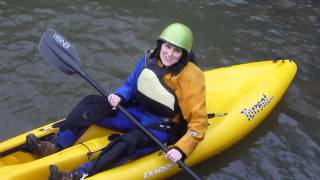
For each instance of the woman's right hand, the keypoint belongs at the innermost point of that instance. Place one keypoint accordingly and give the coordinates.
(114, 100)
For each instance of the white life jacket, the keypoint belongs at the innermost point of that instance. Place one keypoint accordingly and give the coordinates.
(152, 92)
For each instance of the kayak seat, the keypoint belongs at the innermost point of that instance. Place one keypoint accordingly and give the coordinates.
(17, 157)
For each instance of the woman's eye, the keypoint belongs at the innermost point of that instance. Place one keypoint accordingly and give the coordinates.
(168, 46)
(177, 50)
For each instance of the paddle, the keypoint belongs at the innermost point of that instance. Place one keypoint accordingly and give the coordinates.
(60, 52)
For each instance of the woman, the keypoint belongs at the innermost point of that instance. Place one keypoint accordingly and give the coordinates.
(165, 92)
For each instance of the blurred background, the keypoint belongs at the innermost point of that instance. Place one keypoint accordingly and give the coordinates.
(110, 36)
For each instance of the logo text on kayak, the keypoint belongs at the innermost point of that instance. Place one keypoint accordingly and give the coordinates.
(251, 112)
(61, 41)
(161, 169)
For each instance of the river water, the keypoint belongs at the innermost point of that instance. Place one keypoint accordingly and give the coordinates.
(110, 36)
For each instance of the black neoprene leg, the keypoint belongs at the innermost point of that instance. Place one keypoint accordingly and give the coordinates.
(123, 146)
(109, 157)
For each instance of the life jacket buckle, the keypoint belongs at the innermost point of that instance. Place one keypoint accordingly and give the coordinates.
(165, 126)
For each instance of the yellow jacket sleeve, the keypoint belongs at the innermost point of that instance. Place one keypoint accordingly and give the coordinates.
(191, 94)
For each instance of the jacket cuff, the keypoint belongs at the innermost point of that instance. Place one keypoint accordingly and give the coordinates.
(184, 156)
(121, 96)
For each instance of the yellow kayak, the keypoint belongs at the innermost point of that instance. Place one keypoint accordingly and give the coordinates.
(238, 99)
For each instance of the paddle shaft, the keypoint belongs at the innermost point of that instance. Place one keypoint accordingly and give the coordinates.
(137, 123)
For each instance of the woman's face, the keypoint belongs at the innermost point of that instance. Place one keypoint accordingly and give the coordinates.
(169, 54)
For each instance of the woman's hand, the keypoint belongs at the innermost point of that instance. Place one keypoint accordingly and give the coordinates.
(174, 155)
(114, 100)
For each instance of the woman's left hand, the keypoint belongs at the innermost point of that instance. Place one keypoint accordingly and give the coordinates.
(174, 155)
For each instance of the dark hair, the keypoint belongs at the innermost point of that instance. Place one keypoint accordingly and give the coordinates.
(192, 57)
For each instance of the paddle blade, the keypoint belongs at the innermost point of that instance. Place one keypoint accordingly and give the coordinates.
(59, 52)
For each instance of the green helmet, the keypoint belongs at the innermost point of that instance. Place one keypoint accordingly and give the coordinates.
(178, 35)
